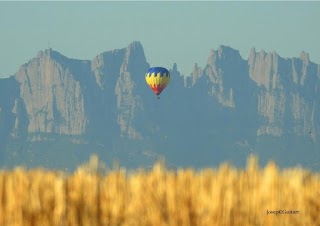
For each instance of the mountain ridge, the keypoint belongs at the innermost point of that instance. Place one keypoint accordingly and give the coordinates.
(265, 102)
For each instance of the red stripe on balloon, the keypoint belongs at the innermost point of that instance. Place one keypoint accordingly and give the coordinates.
(157, 89)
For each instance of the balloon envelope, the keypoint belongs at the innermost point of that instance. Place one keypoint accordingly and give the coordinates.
(157, 78)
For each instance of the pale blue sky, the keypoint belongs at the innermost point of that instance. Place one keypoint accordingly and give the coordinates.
(181, 32)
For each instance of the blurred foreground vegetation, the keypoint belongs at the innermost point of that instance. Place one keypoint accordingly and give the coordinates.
(96, 196)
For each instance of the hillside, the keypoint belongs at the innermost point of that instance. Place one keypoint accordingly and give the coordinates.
(56, 111)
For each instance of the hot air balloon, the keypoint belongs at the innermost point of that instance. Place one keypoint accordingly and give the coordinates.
(157, 78)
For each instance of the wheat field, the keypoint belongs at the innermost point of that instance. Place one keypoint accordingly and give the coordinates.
(223, 196)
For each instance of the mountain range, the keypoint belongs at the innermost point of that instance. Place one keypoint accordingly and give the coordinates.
(55, 111)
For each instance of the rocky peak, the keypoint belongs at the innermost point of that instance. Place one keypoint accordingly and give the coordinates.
(52, 55)
(224, 80)
(177, 81)
(304, 56)
(107, 66)
(227, 51)
(51, 87)
(175, 67)
(129, 89)
(176, 77)
(288, 89)
(134, 56)
(263, 68)
(196, 73)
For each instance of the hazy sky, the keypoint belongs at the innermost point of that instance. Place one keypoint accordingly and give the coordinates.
(181, 32)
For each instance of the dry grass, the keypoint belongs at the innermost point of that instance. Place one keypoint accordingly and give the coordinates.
(224, 196)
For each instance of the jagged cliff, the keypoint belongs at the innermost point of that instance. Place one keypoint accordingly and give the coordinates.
(73, 97)
(52, 89)
(288, 97)
(226, 109)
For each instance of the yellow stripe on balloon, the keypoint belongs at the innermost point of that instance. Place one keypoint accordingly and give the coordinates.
(154, 79)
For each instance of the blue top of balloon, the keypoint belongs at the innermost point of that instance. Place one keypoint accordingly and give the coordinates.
(156, 70)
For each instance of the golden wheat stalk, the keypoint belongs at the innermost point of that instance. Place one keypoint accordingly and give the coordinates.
(224, 196)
